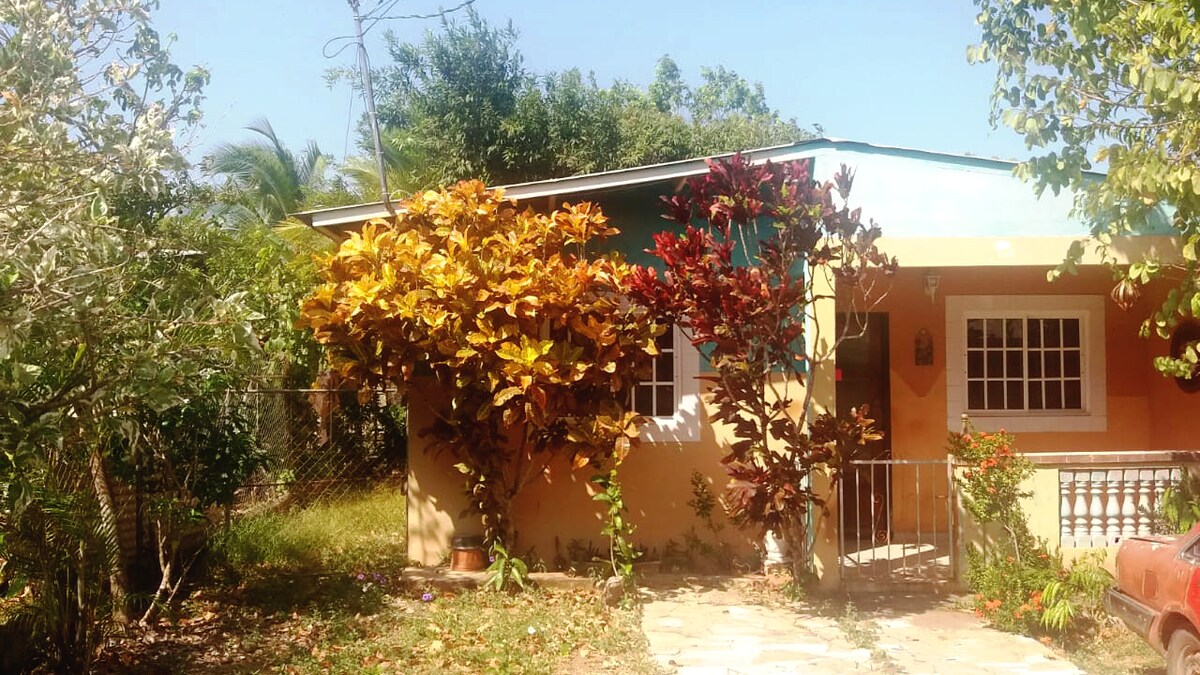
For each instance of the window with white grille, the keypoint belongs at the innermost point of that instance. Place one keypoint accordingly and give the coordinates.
(670, 396)
(659, 395)
(1026, 363)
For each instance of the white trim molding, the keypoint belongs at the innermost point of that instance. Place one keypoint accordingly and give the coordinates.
(1089, 309)
(684, 425)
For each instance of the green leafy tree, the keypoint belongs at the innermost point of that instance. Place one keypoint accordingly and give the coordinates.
(268, 254)
(1116, 83)
(455, 91)
(465, 98)
(188, 459)
(105, 308)
(515, 320)
(668, 91)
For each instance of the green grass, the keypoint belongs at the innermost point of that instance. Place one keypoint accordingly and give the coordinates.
(358, 532)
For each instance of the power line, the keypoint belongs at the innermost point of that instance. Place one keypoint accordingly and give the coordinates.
(364, 70)
(349, 123)
(433, 15)
(377, 14)
(325, 49)
(380, 9)
(374, 15)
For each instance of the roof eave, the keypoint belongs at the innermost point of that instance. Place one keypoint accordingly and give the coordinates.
(336, 219)
(342, 216)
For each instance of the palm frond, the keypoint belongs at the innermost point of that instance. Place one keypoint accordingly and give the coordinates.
(275, 180)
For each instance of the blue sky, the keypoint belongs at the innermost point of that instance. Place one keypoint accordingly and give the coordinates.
(885, 72)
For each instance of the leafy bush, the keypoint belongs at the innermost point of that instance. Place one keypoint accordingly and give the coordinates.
(741, 233)
(1179, 508)
(1019, 585)
(521, 324)
(506, 572)
(617, 526)
(992, 485)
(1009, 591)
(58, 545)
(1078, 598)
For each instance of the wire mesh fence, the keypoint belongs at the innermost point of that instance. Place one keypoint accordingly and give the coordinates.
(321, 445)
(330, 494)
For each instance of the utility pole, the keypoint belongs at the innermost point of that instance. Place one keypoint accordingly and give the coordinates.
(364, 73)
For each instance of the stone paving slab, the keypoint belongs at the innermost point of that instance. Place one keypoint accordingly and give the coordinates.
(708, 627)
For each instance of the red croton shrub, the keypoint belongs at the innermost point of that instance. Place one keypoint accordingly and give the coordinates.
(761, 245)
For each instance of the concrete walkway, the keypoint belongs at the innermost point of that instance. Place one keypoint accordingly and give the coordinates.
(707, 626)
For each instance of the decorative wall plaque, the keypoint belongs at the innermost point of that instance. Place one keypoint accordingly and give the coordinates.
(923, 348)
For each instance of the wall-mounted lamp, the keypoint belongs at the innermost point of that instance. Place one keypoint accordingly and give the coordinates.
(932, 279)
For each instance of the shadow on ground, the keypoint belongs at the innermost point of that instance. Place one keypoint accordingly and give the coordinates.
(888, 605)
(668, 585)
(244, 624)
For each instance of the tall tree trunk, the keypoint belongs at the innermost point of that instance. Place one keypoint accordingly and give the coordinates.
(118, 578)
(166, 564)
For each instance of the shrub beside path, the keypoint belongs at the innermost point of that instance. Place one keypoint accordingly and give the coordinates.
(712, 626)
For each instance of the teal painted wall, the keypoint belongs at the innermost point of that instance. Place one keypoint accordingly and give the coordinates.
(915, 196)
(636, 212)
(910, 193)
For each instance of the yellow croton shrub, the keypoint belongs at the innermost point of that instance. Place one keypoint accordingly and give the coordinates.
(516, 315)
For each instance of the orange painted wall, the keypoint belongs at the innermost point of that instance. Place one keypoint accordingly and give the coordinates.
(1145, 410)
(1173, 412)
(657, 486)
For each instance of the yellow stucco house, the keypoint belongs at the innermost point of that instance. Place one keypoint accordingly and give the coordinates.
(971, 326)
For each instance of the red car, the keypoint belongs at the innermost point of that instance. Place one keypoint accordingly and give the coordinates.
(1157, 594)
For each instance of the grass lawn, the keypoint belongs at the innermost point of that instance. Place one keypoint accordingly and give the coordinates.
(1116, 650)
(271, 608)
(359, 532)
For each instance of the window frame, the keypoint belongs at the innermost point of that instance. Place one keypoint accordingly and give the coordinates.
(654, 382)
(684, 424)
(1088, 309)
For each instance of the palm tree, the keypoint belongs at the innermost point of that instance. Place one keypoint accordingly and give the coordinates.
(403, 161)
(268, 180)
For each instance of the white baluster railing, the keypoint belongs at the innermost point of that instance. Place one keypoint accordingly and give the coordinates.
(1079, 519)
(1129, 523)
(1099, 508)
(1112, 506)
(1145, 489)
(1066, 535)
(1096, 509)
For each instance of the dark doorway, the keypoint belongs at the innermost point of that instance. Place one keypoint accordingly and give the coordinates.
(863, 378)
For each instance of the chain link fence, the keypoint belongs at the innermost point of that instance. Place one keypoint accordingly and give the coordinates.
(321, 445)
(330, 494)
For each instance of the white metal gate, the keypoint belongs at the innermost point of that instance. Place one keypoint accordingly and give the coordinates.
(896, 523)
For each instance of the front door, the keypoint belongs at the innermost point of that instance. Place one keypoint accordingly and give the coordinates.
(862, 379)
(892, 528)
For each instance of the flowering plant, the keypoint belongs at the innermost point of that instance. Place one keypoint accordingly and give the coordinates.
(992, 480)
(1009, 592)
(1019, 584)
